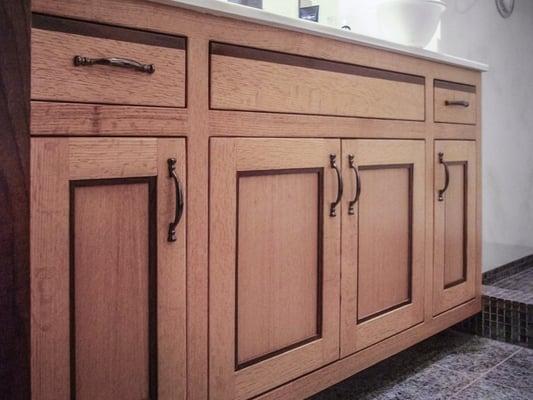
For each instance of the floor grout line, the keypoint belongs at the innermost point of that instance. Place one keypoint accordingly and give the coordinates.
(484, 374)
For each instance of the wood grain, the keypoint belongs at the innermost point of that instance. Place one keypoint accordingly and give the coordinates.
(54, 76)
(228, 156)
(55, 162)
(75, 119)
(391, 230)
(278, 270)
(455, 114)
(111, 291)
(384, 275)
(14, 199)
(243, 84)
(445, 297)
(455, 220)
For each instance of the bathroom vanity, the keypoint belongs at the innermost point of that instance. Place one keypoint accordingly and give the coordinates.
(237, 206)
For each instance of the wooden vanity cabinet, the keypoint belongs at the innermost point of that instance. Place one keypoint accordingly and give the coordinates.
(274, 257)
(107, 281)
(455, 273)
(383, 242)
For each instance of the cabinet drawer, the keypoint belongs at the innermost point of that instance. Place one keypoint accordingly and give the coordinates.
(57, 41)
(455, 102)
(249, 79)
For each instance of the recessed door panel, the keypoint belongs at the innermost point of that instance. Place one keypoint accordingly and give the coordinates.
(112, 285)
(274, 262)
(455, 267)
(383, 240)
(278, 267)
(108, 287)
(384, 218)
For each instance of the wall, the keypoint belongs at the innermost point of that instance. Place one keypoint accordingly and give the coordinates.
(473, 29)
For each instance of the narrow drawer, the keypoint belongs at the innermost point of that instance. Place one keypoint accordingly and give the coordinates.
(454, 102)
(250, 79)
(146, 68)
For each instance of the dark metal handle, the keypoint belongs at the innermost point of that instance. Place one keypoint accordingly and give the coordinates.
(340, 186)
(80, 61)
(179, 200)
(446, 177)
(462, 103)
(351, 204)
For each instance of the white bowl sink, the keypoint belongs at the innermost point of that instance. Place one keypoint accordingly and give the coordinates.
(409, 22)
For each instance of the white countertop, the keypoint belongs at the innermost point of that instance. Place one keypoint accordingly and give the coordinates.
(250, 14)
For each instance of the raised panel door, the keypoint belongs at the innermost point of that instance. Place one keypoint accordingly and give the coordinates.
(382, 240)
(108, 282)
(455, 268)
(274, 262)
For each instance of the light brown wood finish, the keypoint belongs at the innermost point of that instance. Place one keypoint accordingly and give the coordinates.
(200, 28)
(383, 243)
(455, 232)
(251, 85)
(54, 76)
(228, 156)
(455, 113)
(111, 291)
(75, 119)
(110, 269)
(277, 262)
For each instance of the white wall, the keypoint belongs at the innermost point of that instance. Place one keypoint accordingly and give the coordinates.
(474, 29)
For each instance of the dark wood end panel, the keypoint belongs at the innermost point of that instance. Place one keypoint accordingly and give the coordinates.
(14, 199)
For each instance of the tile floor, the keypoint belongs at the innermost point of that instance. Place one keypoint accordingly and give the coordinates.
(451, 365)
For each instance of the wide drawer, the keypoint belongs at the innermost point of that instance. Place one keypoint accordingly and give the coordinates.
(250, 79)
(130, 66)
(454, 102)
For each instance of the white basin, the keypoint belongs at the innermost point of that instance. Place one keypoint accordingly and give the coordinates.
(409, 22)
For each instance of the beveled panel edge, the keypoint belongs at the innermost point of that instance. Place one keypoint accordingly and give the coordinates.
(463, 87)
(320, 264)
(295, 60)
(104, 31)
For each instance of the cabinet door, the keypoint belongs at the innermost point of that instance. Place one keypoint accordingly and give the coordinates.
(273, 262)
(107, 282)
(382, 240)
(455, 224)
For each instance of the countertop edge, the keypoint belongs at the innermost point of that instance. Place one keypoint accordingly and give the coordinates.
(250, 14)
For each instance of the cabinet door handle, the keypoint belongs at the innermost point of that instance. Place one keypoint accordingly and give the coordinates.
(80, 61)
(446, 177)
(179, 200)
(340, 186)
(353, 166)
(462, 103)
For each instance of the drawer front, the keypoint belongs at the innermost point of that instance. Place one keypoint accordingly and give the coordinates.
(250, 79)
(57, 41)
(455, 102)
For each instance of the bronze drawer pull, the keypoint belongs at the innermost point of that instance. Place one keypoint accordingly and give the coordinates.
(446, 177)
(340, 186)
(462, 103)
(351, 205)
(80, 61)
(179, 200)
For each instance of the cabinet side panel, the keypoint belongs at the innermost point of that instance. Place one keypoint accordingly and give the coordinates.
(14, 199)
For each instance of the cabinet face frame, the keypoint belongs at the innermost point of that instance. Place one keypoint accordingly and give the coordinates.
(379, 155)
(230, 161)
(459, 153)
(59, 167)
